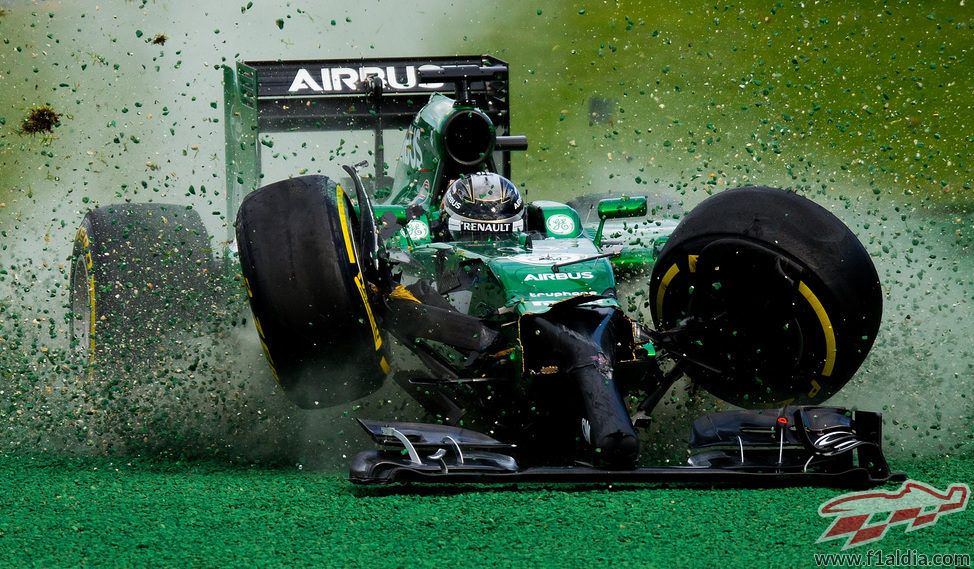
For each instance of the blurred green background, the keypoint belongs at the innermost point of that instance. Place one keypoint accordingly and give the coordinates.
(864, 107)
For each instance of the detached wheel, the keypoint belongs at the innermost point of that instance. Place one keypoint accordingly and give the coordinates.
(140, 274)
(310, 301)
(771, 297)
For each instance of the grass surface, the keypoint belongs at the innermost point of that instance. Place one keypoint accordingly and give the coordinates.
(61, 512)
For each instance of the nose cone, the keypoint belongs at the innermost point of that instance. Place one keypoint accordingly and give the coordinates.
(618, 449)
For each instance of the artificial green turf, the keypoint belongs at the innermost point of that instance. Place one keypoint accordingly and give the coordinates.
(60, 512)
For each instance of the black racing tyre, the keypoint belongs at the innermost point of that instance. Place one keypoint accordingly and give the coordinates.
(772, 299)
(310, 301)
(140, 274)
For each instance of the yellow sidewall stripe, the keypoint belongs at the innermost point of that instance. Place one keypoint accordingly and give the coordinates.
(91, 325)
(359, 282)
(827, 329)
(82, 235)
(346, 232)
(664, 283)
(668, 277)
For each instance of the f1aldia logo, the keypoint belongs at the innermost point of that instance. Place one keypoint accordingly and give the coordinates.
(864, 517)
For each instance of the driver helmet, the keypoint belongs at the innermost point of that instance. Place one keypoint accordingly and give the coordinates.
(484, 205)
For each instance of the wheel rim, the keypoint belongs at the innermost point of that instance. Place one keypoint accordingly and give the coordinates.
(752, 336)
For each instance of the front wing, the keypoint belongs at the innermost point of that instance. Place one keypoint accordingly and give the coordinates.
(793, 446)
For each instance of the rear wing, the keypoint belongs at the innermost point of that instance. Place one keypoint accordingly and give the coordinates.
(263, 97)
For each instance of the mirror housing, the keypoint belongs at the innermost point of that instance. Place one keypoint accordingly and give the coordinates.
(615, 208)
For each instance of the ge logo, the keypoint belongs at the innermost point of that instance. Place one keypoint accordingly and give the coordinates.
(560, 224)
(417, 230)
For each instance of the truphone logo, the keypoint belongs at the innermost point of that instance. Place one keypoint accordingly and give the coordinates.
(864, 517)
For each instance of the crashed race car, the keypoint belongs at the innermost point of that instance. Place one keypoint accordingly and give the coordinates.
(531, 370)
